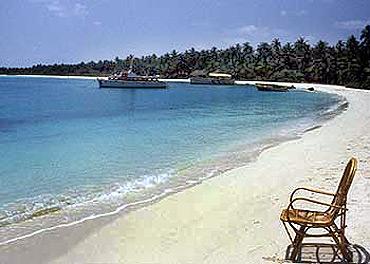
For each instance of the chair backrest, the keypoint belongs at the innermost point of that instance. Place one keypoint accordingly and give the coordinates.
(340, 197)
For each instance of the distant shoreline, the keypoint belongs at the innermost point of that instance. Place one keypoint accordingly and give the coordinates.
(239, 82)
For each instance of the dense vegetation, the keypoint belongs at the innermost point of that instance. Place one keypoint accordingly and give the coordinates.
(346, 63)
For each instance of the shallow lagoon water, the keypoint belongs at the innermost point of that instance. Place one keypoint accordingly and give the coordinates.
(69, 150)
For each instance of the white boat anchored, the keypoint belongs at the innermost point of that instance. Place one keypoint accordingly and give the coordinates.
(130, 80)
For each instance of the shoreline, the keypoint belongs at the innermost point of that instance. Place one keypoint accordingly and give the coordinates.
(213, 182)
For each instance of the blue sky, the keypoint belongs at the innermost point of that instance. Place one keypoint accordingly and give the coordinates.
(67, 31)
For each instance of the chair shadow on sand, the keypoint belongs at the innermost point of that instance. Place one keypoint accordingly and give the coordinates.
(328, 253)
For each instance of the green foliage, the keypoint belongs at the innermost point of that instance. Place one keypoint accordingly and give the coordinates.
(346, 63)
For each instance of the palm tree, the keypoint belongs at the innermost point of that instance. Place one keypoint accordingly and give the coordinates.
(365, 57)
(302, 55)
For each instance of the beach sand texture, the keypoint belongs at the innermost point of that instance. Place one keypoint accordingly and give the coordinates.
(232, 218)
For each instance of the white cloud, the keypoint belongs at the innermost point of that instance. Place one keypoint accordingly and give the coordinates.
(255, 34)
(351, 24)
(97, 23)
(63, 8)
(53, 6)
(250, 29)
(261, 33)
(293, 13)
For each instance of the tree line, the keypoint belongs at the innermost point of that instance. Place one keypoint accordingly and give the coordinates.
(345, 63)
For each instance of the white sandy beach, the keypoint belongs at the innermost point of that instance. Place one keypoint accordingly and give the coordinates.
(232, 218)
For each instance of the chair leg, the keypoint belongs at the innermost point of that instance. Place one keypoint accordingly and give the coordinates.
(348, 254)
(341, 242)
(340, 231)
(297, 243)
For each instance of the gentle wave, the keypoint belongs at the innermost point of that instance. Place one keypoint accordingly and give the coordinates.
(166, 192)
(44, 205)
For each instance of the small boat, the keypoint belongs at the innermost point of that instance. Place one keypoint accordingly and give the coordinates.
(213, 78)
(130, 80)
(264, 87)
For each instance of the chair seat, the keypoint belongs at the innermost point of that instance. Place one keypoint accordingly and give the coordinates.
(305, 217)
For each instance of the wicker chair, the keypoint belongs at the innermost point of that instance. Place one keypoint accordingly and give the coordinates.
(331, 221)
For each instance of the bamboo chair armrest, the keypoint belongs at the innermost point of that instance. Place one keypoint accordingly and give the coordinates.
(315, 202)
(309, 190)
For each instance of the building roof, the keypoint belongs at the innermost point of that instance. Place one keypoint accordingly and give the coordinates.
(217, 74)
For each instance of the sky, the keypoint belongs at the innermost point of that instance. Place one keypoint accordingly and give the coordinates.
(71, 31)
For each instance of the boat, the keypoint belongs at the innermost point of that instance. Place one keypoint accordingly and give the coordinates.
(129, 83)
(213, 78)
(130, 80)
(264, 87)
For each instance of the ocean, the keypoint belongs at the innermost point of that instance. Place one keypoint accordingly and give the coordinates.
(70, 151)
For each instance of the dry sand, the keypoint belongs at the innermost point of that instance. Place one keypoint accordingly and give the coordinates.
(232, 218)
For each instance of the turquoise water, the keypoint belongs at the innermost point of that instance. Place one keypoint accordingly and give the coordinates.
(70, 147)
